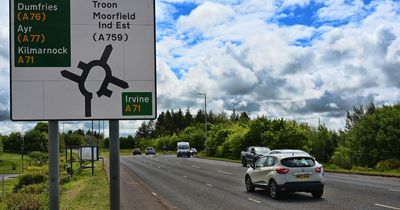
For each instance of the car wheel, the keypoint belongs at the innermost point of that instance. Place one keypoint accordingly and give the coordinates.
(244, 164)
(273, 190)
(317, 193)
(249, 185)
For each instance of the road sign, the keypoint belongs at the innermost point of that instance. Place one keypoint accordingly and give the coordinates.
(82, 60)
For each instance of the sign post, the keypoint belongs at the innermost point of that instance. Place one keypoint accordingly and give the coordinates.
(54, 193)
(82, 60)
(114, 165)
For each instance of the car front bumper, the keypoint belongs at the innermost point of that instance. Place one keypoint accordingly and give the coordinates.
(301, 186)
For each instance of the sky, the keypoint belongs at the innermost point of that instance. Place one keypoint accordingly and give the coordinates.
(301, 60)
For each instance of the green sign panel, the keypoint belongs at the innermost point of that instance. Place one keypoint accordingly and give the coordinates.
(137, 103)
(42, 35)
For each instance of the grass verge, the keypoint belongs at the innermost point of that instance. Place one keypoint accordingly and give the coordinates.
(10, 163)
(362, 171)
(85, 191)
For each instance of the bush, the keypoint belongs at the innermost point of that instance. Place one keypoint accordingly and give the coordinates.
(35, 188)
(32, 175)
(341, 158)
(64, 177)
(24, 201)
(390, 164)
(38, 158)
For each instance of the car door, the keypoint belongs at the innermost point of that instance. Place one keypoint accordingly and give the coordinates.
(250, 155)
(269, 167)
(258, 171)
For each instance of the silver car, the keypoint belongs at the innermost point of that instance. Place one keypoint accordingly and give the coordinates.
(286, 172)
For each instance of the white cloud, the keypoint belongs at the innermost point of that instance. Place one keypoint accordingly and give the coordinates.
(205, 17)
(293, 3)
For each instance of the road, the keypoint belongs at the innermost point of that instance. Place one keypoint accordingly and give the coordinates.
(194, 183)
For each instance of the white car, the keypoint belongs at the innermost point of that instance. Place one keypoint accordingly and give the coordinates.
(278, 173)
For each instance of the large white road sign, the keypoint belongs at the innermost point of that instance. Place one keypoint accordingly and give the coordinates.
(82, 59)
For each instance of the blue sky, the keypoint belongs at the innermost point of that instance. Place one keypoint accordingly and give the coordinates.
(295, 59)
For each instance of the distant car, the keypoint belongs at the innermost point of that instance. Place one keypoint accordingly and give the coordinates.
(150, 151)
(136, 151)
(279, 173)
(252, 153)
(183, 149)
(193, 151)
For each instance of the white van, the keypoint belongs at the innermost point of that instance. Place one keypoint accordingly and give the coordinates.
(183, 149)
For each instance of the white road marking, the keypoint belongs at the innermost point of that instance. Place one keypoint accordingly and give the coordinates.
(195, 166)
(159, 166)
(394, 190)
(385, 206)
(210, 185)
(184, 176)
(154, 194)
(223, 172)
(251, 199)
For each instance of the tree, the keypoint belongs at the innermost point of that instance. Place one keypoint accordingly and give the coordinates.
(375, 137)
(74, 139)
(323, 143)
(145, 130)
(35, 140)
(244, 117)
(42, 127)
(1, 145)
(12, 142)
(188, 118)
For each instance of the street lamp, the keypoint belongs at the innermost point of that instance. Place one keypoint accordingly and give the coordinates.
(205, 113)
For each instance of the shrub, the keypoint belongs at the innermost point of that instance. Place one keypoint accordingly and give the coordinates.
(24, 201)
(341, 158)
(35, 188)
(38, 158)
(32, 175)
(64, 177)
(390, 164)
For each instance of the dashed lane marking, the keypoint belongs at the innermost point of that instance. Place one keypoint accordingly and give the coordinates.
(251, 199)
(195, 166)
(210, 185)
(154, 194)
(223, 172)
(385, 206)
(394, 190)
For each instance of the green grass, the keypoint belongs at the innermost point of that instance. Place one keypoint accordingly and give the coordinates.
(85, 191)
(8, 161)
(362, 171)
(8, 185)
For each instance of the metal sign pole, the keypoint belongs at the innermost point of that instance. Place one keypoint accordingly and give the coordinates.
(54, 194)
(114, 165)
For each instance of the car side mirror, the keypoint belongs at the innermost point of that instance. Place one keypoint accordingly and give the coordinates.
(253, 166)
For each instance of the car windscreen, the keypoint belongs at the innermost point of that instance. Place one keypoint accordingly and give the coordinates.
(184, 146)
(261, 149)
(298, 162)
